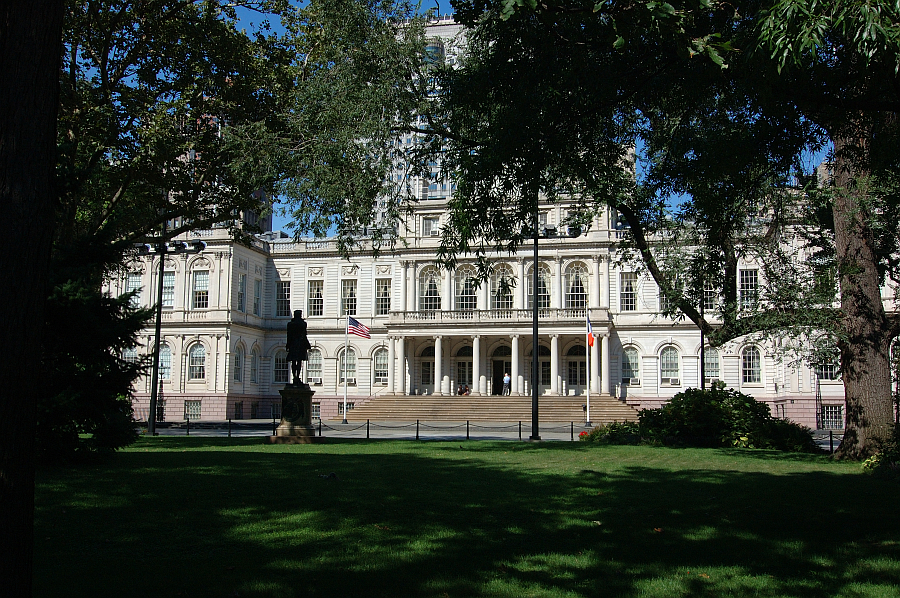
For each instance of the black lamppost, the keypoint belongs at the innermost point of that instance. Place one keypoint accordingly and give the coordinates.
(161, 249)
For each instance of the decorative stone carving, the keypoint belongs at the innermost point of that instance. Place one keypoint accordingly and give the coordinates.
(201, 262)
(315, 272)
(349, 270)
(242, 264)
(284, 272)
(384, 269)
(257, 269)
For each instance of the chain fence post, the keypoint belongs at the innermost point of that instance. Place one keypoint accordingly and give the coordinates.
(274, 425)
(520, 429)
(831, 440)
(467, 429)
(188, 420)
(572, 431)
(417, 429)
(367, 429)
(320, 427)
(229, 427)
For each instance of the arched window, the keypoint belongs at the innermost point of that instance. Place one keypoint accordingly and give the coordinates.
(130, 355)
(502, 283)
(197, 362)
(348, 366)
(381, 366)
(254, 366)
(165, 362)
(668, 366)
(543, 287)
(751, 366)
(238, 364)
(280, 368)
(631, 370)
(710, 364)
(314, 366)
(576, 283)
(466, 299)
(429, 289)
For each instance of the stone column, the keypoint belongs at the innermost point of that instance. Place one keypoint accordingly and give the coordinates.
(595, 365)
(594, 299)
(404, 284)
(560, 284)
(516, 377)
(414, 288)
(476, 365)
(604, 288)
(445, 291)
(438, 378)
(604, 364)
(401, 364)
(391, 365)
(521, 301)
(554, 364)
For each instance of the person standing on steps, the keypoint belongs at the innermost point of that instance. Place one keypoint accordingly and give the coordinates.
(506, 381)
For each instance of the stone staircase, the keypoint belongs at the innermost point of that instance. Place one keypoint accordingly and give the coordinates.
(490, 409)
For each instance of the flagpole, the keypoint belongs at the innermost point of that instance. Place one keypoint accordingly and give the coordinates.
(588, 345)
(346, 346)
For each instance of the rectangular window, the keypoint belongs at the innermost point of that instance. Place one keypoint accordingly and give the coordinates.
(545, 373)
(749, 288)
(283, 298)
(254, 367)
(242, 293)
(239, 410)
(276, 410)
(577, 373)
(430, 227)
(828, 371)
(711, 364)
(201, 289)
(280, 369)
(348, 368)
(628, 291)
(348, 297)
(257, 297)
(382, 296)
(833, 417)
(317, 411)
(133, 285)
(314, 365)
(192, 410)
(315, 304)
(341, 407)
(238, 366)
(168, 291)
(710, 298)
(381, 367)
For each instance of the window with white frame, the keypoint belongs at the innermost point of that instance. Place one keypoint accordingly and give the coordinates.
(543, 287)
(502, 283)
(133, 285)
(381, 366)
(280, 368)
(667, 302)
(628, 291)
(201, 289)
(254, 366)
(238, 364)
(168, 290)
(833, 417)
(242, 293)
(257, 297)
(748, 288)
(192, 409)
(751, 366)
(314, 366)
(315, 302)
(710, 298)
(130, 355)
(350, 405)
(710, 364)
(197, 362)
(466, 300)
(165, 362)
(348, 297)
(576, 358)
(630, 364)
(668, 366)
(828, 370)
(348, 366)
(382, 296)
(431, 226)
(576, 286)
(317, 411)
(283, 298)
(427, 363)
(429, 289)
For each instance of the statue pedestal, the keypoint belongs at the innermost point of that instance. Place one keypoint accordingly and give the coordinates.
(296, 417)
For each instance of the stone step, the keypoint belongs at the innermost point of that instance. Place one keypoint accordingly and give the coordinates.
(490, 408)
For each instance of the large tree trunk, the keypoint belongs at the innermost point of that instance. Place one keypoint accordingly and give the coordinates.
(30, 36)
(865, 357)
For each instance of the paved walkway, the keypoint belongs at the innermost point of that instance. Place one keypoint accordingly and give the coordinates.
(383, 430)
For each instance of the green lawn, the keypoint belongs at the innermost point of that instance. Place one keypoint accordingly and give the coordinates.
(234, 517)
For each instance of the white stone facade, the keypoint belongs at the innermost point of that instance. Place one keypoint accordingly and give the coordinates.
(226, 309)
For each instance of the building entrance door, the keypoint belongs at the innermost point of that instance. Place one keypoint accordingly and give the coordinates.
(500, 367)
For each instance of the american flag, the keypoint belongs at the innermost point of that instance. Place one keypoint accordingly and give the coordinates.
(354, 327)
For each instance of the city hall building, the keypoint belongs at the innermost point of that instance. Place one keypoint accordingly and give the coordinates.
(433, 331)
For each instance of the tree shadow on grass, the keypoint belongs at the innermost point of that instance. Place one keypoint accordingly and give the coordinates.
(384, 519)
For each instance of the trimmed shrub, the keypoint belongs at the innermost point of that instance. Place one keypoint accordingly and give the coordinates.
(614, 433)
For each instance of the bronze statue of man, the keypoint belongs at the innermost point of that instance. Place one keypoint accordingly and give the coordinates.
(297, 346)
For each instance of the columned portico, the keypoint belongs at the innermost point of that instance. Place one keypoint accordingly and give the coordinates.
(554, 364)
(404, 284)
(401, 364)
(477, 381)
(515, 374)
(438, 375)
(604, 360)
(392, 364)
(595, 365)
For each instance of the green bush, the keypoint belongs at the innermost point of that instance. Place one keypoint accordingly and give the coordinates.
(614, 433)
(721, 418)
(886, 462)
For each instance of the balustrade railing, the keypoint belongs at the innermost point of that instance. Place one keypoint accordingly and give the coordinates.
(488, 315)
